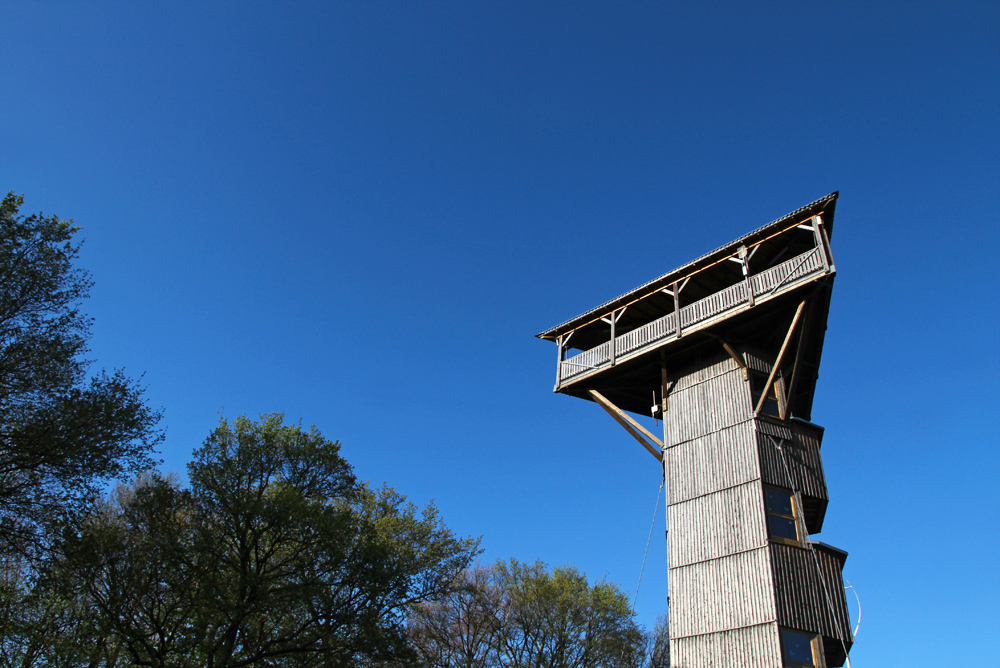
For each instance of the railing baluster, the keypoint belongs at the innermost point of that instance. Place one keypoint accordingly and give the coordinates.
(769, 280)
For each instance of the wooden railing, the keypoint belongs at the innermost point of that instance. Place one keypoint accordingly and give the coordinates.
(773, 281)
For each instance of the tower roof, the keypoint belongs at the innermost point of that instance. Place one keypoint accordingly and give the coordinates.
(824, 205)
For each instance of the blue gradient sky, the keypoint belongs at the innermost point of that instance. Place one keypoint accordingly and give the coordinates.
(361, 213)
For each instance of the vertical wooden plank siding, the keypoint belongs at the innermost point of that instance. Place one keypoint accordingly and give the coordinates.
(802, 456)
(722, 594)
(750, 647)
(706, 401)
(721, 588)
(727, 522)
(711, 463)
(801, 603)
(832, 563)
(710, 367)
(757, 362)
(730, 586)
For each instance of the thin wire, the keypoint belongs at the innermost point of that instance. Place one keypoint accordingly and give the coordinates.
(644, 554)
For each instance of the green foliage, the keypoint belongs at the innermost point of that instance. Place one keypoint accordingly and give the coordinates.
(61, 435)
(276, 556)
(518, 615)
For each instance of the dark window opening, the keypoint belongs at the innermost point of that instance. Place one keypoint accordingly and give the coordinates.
(772, 405)
(782, 518)
(797, 649)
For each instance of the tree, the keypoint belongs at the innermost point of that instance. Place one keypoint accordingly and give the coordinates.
(659, 645)
(62, 434)
(131, 576)
(275, 556)
(462, 630)
(517, 615)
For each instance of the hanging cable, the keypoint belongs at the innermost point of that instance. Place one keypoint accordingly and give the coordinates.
(646, 553)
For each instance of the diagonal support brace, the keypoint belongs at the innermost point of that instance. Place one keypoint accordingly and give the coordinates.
(630, 425)
(732, 353)
(781, 356)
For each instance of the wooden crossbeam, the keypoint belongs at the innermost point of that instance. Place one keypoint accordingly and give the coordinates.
(781, 355)
(676, 291)
(630, 425)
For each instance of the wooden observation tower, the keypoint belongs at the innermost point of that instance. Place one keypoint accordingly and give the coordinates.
(726, 351)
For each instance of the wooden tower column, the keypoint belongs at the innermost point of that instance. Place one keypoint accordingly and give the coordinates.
(740, 456)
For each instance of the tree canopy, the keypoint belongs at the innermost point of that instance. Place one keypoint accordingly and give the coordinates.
(275, 556)
(62, 434)
(518, 615)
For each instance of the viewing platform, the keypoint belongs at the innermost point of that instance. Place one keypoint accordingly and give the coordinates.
(739, 285)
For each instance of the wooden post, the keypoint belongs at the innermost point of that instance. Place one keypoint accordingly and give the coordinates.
(818, 236)
(677, 307)
(829, 248)
(795, 369)
(663, 384)
(613, 351)
(560, 356)
(744, 263)
(779, 391)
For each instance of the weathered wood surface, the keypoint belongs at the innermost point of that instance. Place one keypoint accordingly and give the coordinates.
(801, 445)
(801, 600)
(729, 521)
(731, 585)
(722, 594)
(749, 647)
(712, 462)
(707, 400)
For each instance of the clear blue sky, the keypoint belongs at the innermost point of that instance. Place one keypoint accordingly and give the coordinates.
(361, 213)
